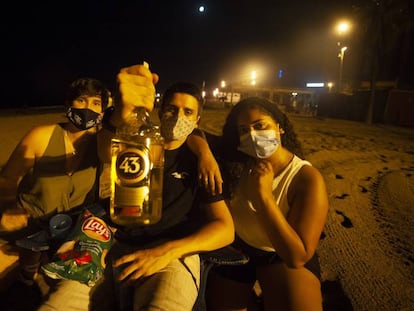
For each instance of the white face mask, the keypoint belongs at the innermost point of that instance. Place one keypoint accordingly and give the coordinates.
(176, 128)
(259, 144)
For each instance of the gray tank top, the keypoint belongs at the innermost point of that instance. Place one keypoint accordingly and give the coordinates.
(48, 189)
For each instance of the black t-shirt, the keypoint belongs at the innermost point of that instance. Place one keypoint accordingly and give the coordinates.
(183, 199)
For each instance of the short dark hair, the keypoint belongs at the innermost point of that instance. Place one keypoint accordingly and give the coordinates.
(186, 88)
(90, 87)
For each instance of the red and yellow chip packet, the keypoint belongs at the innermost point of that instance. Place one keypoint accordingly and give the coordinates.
(82, 256)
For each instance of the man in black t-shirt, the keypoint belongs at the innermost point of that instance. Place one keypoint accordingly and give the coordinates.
(160, 260)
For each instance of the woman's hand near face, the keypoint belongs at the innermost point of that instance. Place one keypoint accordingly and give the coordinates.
(260, 182)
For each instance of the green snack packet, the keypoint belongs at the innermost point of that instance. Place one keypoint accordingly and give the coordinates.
(82, 256)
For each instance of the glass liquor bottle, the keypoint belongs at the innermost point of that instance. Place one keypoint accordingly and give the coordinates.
(137, 168)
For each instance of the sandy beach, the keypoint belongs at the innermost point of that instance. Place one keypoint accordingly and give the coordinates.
(368, 244)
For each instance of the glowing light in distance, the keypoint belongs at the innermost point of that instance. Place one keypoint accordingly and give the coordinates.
(201, 8)
(343, 27)
(253, 75)
(315, 84)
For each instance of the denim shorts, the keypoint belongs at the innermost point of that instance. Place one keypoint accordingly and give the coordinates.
(246, 273)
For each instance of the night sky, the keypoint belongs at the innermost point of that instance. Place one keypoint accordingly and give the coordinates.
(47, 45)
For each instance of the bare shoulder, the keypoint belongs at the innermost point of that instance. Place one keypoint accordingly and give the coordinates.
(309, 171)
(308, 192)
(37, 138)
(30, 147)
(308, 177)
(39, 132)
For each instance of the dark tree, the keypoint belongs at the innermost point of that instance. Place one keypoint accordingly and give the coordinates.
(385, 29)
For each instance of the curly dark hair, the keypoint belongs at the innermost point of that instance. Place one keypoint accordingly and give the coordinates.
(233, 161)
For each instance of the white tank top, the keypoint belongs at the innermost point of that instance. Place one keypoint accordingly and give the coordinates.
(244, 213)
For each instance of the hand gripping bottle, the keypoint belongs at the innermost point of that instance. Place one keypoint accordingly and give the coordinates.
(137, 168)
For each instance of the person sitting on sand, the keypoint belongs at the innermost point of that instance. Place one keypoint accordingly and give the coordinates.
(279, 204)
(53, 169)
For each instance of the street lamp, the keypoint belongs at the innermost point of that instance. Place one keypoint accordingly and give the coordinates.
(341, 66)
(342, 28)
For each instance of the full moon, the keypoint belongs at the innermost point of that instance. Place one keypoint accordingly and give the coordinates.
(201, 9)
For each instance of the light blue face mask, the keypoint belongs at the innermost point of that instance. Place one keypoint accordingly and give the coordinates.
(259, 144)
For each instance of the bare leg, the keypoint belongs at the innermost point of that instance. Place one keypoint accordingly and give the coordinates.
(289, 289)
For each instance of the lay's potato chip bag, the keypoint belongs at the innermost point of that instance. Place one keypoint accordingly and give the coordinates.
(82, 256)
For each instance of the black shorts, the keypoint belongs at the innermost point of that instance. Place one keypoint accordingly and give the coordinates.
(247, 273)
